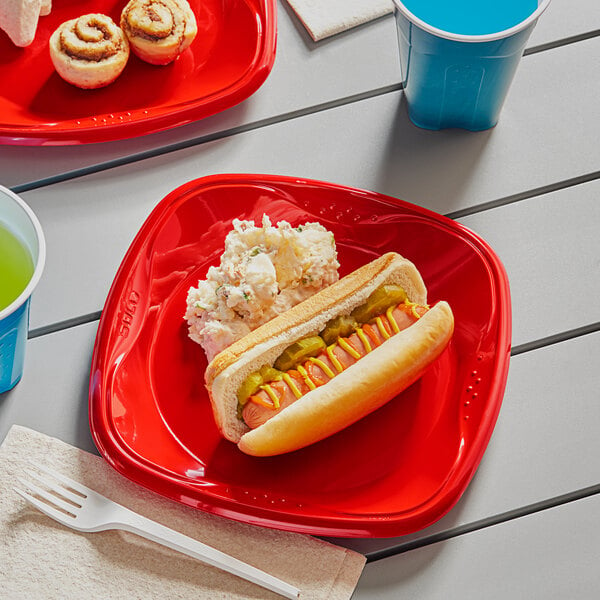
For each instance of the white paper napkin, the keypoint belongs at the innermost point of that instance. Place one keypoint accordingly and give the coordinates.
(323, 18)
(40, 558)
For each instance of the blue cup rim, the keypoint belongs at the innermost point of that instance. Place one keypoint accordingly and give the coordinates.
(41, 255)
(462, 37)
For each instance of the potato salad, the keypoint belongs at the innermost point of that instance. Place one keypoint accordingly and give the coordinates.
(264, 271)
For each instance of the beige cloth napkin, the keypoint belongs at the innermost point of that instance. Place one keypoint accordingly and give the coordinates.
(323, 18)
(40, 558)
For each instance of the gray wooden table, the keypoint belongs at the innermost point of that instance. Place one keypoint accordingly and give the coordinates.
(528, 525)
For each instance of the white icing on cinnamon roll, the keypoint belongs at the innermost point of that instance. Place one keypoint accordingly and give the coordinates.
(90, 51)
(159, 30)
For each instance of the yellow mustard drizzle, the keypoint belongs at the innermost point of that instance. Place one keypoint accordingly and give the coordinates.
(309, 382)
(292, 385)
(271, 393)
(334, 359)
(382, 329)
(413, 309)
(323, 367)
(353, 352)
(363, 338)
(389, 313)
(345, 345)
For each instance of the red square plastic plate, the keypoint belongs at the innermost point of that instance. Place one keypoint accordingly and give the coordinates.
(229, 59)
(394, 472)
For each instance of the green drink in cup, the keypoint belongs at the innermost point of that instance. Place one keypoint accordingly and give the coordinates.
(22, 257)
(16, 266)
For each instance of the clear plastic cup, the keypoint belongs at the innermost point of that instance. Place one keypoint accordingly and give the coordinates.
(458, 80)
(20, 220)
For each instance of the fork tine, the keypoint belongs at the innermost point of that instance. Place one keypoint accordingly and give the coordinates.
(78, 487)
(43, 507)
(49, 497)
(68, 494)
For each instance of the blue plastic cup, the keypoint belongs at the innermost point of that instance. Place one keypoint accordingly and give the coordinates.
(458, 80)
(20, 220)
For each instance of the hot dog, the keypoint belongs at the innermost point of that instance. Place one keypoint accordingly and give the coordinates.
(278, 393)
(283, 387)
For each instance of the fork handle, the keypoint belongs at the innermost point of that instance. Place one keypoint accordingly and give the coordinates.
(160, 534)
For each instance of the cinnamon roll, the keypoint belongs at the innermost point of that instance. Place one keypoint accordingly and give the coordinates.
(158, 30)
(90, 51)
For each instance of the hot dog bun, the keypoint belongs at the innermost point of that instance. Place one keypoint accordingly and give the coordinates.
(355, 392)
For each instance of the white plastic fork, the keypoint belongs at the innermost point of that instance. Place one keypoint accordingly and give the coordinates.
(88, 511)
